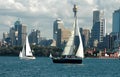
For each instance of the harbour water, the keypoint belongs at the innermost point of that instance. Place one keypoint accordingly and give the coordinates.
(43, 67)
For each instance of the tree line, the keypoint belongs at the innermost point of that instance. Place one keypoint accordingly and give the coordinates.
(38, 51)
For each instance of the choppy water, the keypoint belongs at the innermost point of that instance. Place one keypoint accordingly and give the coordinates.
(43, 67)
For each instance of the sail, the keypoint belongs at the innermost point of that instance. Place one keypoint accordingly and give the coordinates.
(50, 55)
(70, 44)
(80, 51)
(119, 52)
(28, 49)
(20, 55)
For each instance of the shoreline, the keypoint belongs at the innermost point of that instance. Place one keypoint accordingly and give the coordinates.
(102, 58)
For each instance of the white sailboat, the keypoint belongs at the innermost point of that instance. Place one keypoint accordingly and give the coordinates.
(26, 52)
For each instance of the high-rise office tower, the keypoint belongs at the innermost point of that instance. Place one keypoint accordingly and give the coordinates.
(34, 37)
(20, 32)
(60, 33)
(116, 28)
(116, 21)
(99, 26)
(58, 24)
(12, 35)
(5, 35)
(86, 36)
(17, 25)
(23, 33)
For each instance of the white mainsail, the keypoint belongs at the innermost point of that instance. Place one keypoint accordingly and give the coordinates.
(28, 49)
(70, 45)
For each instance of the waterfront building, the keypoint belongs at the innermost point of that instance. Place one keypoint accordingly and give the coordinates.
(5, 35)
(6, 39)
(34, 37)
(17, 34)
(20, 32)
(99, 27)
(60, 33)
(58, 24)
(85, 37)
(116, 29)
(13, 35)
(116, 21)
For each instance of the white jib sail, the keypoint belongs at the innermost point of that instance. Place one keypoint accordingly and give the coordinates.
(119, 52)
(20, 55)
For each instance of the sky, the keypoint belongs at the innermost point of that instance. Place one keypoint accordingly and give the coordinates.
(40, 14)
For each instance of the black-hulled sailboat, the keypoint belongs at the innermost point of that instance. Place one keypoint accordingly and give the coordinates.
(73, 53)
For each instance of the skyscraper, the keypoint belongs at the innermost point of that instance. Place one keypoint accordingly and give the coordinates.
(58, 24)
(60, 33)
(86, 36)
(22, 34)
(116, 21)
(12, 35)
(34, 36)
(20, 31)
(17, 24)
(99, 26)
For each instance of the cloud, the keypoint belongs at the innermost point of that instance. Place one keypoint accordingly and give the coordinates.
(44, 12)
(91, 2)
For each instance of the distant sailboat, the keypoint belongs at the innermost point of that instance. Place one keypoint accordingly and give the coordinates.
(72, 53)
(26, 52)
(50, 55)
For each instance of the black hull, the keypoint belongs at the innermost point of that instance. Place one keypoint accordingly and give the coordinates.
(67, 60)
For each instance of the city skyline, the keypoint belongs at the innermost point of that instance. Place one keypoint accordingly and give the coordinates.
(41, 14)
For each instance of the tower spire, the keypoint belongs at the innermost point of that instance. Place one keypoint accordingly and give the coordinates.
(75, 8)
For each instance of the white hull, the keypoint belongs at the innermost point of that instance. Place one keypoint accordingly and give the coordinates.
(28, 58)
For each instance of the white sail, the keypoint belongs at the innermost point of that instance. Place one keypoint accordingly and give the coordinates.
(80, 51)
(119, 52)
(28, 49)
(70, 44)
(20, 55)
(50, 55)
